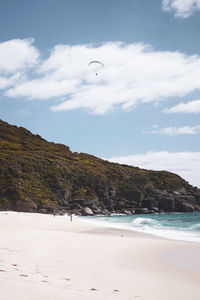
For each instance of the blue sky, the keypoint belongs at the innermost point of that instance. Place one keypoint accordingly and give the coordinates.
(143, 107)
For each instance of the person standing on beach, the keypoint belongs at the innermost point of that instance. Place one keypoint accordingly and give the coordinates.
(70, 216)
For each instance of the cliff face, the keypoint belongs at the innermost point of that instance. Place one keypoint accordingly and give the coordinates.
(39, 176)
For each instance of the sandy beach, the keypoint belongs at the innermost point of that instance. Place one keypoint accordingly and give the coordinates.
(46, 257)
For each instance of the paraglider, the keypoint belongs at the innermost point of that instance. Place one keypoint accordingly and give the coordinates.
(97, 65)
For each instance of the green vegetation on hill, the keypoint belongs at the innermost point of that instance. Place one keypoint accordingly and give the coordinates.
(34, 171)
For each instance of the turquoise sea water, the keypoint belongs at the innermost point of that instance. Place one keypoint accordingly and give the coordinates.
(178, 226)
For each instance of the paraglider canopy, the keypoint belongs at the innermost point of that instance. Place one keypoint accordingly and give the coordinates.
(97, 65)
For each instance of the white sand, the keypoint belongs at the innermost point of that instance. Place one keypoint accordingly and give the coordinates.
(42, 257)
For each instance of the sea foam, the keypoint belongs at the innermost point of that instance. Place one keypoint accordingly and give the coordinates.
(177, 226)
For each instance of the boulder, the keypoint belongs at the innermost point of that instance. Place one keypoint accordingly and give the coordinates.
(86, 211)
(42, 211)
(184, 207)
(182, 191)
(166, 203)
(61, 212)
(132, 204)
(50, 208)
(127, 212)
(25, 206)
(197, 196)
(197, 208)
(64, 203)
(120, 204)
(176, 193)
(156, 193)
(87, 204)
(132, 195)
(105, 212)
(150, 190)
(75, 205)
(187, 207)
(191, 199)
(142, 211)
(96, 209)
(149, 203)
(155, 210)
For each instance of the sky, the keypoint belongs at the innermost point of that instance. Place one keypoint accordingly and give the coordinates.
(143, 106)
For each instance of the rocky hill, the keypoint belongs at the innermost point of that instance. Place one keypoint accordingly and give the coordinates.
(41, 176)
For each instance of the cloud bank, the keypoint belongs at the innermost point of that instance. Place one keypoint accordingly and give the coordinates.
(175, 130)
(181, 8)
(192, 107)
(17, 58)
(133, 74)
(185, 164)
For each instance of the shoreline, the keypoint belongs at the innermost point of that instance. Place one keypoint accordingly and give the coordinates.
(46, 257)
(112, 228)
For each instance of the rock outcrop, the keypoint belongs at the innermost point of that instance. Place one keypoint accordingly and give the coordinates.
(39, 176)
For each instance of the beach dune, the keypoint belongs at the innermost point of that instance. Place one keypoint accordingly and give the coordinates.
(46, 257)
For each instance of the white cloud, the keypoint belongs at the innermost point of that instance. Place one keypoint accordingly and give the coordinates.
(17, 57)
(7, 81)
(175, 130)
(190, 107)
(181, 8)
(133, 74)
(43, 88)
(185, 164)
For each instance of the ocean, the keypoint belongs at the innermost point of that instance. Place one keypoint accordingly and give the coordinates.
(177, 226)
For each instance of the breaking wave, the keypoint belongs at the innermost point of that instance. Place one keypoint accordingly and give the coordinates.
(178, 226)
